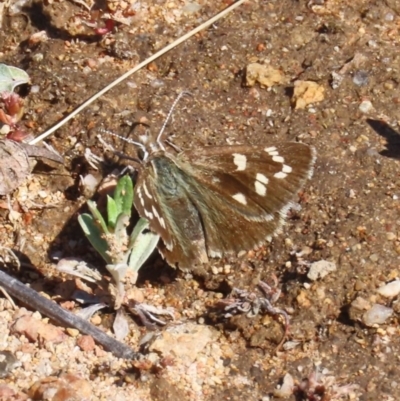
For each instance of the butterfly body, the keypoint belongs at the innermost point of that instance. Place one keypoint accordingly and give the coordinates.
(213, 201)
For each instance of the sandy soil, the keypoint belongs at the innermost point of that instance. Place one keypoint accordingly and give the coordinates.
(349, 209)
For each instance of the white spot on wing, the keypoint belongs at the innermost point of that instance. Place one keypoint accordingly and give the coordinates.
(240, 198)
(261, 189)
(313, 158)
(278, 159)
(286, 169)
(146, 191)
(272, 151)
(269, 217)
(155, 211)
(262, 178)
(158, 217)
(140, 195)
(148, 214)
(240, 161)
(169, 246)
(280, 175)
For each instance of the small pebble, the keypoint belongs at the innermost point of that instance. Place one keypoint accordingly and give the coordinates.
(360, 78)
(157, 83)
(96, 320)
(337, 79)
(65, 387)
(191, 8)
(5, 129)
(290, 345)
(8, 361)
(35, 89)
(86, 343)
(359, 285)
(389, 85)
(365, 106)
(374, 257)
(389, 17)
(72, 332)
(227, 269)
(391, 236)
(320, 269)
(378, 314)
(390, 290)
(361, 304)
(286, 389)
(38, 57)
(351, 193)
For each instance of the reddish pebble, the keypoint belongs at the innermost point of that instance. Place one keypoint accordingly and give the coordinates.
(85, 343)
(7, 393)
(260, 47)
(66, 387)
(32, 329)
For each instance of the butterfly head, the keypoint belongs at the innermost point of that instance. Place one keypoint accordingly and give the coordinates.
(147, 144)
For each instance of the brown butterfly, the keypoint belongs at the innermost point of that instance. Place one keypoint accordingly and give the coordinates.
(211, 201)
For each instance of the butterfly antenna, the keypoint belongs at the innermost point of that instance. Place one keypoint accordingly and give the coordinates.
(140, 145)
(169, 116)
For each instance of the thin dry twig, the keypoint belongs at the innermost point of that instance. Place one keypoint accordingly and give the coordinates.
(137, 68)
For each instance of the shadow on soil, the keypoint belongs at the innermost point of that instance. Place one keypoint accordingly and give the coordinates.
(392, 137)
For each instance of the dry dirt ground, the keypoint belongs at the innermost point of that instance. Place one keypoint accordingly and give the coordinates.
(349, 209)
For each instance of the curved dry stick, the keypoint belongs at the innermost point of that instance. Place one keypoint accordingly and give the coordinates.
(49, 308)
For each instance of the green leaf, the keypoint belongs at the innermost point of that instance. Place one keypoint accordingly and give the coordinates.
(140, 226)
(11, 77)
(123, 195)
(141, 245)
(94, 235)
(112, 212)
(97, 216)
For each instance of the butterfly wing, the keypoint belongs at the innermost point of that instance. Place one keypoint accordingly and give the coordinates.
(161, 199)
(217, 200)
(242, 193)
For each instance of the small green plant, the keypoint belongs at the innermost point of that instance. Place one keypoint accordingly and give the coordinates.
(121, 251)
(11, 104)
(11, 77)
